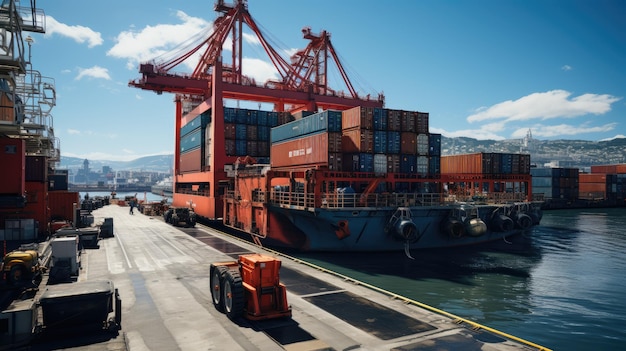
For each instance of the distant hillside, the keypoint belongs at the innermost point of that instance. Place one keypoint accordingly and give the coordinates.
(158, 163)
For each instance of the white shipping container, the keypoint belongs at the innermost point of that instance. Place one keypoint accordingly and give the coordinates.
(380, 163)
(422, 165)
(422, 144)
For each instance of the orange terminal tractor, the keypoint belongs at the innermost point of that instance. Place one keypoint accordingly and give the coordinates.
(249, 287)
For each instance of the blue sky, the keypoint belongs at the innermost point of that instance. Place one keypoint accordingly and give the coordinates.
(487, 69)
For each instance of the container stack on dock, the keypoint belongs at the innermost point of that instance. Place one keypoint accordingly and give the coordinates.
(556, 183)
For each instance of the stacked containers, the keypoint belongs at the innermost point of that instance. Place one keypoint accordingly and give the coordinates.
(192, 143)
(597, 186)
(486, 163)
(398, 139)
(247, 132)
(311, 140)
(555, 183)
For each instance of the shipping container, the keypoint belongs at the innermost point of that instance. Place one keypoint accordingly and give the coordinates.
(380, 119)
(380, 141)
(408, 141)
(393, 163)
(241, 131)
(264, 149)
(191, 161)
(610, 169)
(61, 204)
(200, 121)
(13, 166)
(407, 120)
(314, 123)
(380, 163)
(394, 121)
(434, 144)
(334, 142)
(307, 150)
(357, 140)
(408, 163)
(36, 169)
(393, 142)
(421, 123)
(192, 141)
(357, 117)
(358, 162)
(241, 147)
(335, 161)
(230, 131)
(252, 147)
(434, 166)
(58, 182)
(422, 166)
(263, 133)
(423, 144)
(251, 132)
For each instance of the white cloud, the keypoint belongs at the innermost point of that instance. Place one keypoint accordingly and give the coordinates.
(93, 72)
(258, 69)
(566, 68)
(551, 104)
(160, 40)
(73, 131)
(80, 34)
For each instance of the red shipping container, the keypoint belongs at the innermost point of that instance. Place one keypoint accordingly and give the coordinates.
(357, 140)
(358, 117)
(467, 163)
(408, 143)
(308, 150)
(36, 169)
(191, 161)
(13, 166)
(61, 204)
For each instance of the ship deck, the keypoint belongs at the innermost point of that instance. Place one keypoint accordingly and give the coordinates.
(162, 273)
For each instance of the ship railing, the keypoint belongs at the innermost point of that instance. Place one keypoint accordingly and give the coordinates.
(343, 200)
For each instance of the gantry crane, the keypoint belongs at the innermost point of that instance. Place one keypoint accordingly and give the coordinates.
(302, 84)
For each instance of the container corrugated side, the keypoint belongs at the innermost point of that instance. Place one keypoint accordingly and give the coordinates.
(36, 169)
(380, 119)
(408, 141)
(357, 140)
(191, 161)
(423, 144)
(380, 163)
(307, 150)
(434, 144)
(393, 142)
(13, 166)
(380, 141)
(394, 120)
(407, 120)
(459, 164)
(357, 117)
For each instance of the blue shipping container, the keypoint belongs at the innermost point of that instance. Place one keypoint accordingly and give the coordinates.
(393, 142)
(434, 144)
(191, 141)
(380, 142)
(408, 163)
(241, 131)
(380, 119)
(317, 122)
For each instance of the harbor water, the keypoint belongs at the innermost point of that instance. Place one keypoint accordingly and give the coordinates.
(561, 286)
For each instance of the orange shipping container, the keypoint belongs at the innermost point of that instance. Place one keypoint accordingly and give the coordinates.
(467, 163)
(590, 178)
(358, 117)
(357, 140)
(309, 150)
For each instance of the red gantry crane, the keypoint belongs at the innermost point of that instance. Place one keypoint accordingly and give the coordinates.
(302, 84)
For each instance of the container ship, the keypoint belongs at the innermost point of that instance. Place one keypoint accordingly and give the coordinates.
(323, 169)
(33, 192)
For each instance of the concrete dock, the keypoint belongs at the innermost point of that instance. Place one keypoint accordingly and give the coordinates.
(162, 274)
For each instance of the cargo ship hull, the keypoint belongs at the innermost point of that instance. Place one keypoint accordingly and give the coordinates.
(365, 230)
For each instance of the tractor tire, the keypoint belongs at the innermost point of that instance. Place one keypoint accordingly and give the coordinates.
(17, 274)
(233, 295)
(217, 285)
